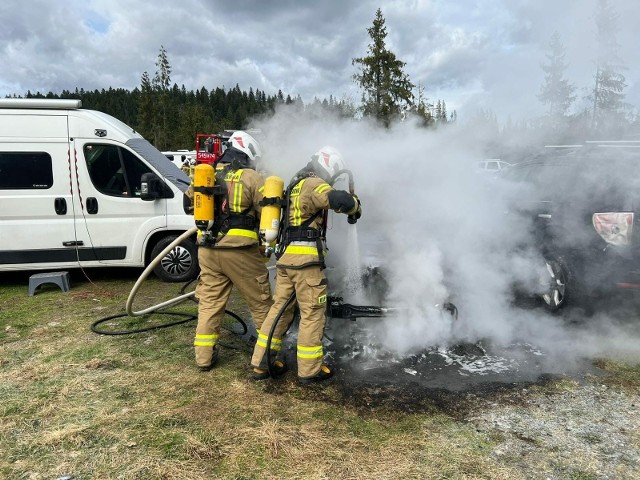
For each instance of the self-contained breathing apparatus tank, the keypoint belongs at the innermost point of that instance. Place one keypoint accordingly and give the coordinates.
(204, 177)
(204, 205)
(271, 210)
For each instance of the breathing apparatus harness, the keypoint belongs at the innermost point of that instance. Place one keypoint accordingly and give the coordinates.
(212, 230)
(303, 232)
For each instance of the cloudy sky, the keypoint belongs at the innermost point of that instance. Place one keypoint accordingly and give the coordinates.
(472, 54)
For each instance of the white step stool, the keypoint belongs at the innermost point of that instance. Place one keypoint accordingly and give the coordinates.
(59, 278)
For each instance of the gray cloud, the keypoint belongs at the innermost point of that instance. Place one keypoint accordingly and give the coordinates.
(473, 56)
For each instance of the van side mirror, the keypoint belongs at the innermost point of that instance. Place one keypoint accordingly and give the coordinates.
(152, 187)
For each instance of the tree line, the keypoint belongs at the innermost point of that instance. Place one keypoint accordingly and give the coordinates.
(170, 116)
(606, 112)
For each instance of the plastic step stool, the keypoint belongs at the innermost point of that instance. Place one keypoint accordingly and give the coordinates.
(59, 278)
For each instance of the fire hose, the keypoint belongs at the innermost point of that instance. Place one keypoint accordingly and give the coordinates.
(155, 308)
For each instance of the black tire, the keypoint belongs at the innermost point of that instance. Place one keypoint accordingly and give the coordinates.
(180, 264)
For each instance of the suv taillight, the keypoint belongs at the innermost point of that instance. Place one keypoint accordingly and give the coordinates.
(614, 227)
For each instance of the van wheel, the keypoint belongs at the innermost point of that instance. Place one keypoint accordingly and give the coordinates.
(180, 264)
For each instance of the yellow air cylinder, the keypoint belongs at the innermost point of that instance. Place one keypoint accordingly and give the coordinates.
(204, 176)
(270, 216)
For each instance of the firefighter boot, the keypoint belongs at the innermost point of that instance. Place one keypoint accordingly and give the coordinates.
(215, 356)
(325, 373)
(278, 368)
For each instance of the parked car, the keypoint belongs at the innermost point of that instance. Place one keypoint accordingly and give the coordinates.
(491, 165)
(584, 202)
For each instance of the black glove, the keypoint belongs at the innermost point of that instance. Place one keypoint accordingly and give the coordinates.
(353, 218)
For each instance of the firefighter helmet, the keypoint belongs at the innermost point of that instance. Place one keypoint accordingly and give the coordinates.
(246, 144)
(328, 162)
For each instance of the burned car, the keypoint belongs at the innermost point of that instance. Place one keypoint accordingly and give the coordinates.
(584, 202)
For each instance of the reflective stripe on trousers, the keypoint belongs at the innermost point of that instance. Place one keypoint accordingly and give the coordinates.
(206, 340)
(310, 352)
(276, 343)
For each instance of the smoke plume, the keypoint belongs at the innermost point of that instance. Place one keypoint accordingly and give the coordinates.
(441, 233)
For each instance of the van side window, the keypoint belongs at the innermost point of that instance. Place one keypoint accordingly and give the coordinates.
(25, 170)
(114, 170)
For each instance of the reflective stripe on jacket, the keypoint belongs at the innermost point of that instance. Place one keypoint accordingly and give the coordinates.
(244, 192)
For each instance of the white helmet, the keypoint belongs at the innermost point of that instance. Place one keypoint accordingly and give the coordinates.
(246, 144)
(329, 160)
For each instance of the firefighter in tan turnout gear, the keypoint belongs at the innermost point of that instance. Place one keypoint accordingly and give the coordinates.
(228, 245)
(300, 264)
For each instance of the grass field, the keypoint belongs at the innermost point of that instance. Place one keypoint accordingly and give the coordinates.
(135, 407)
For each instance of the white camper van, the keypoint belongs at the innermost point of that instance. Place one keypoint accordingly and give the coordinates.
(71, 193)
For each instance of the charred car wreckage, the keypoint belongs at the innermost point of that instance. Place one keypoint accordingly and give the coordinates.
(583, 201)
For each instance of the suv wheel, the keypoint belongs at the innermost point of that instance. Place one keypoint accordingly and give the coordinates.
(180, 264)
(554, 293)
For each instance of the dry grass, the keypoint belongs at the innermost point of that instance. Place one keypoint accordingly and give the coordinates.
(134, 406)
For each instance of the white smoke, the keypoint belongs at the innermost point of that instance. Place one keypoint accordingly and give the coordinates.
(440, 231)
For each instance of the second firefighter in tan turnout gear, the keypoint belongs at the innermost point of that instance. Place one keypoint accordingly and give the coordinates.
(231, 257)
(301, 262)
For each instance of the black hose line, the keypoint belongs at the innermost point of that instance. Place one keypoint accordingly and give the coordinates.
(95, 324)
(273, 329)
(189, 316)
(184, 287)
(245, 329)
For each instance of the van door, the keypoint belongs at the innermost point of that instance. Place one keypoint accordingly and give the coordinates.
(36, 195)
(114, 219)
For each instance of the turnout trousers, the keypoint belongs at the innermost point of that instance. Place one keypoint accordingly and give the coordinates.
(310, 287)
(220, 270)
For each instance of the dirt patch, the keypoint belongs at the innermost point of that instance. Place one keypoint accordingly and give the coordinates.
(589, 429)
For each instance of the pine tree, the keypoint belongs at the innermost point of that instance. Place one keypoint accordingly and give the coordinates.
(161, 83)
(443, 113)
(387, 90)
(556, 92)
(146, 109)
(162, 80)
(608, 96)
(422, 108)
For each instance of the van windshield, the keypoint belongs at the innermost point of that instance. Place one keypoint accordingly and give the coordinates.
(160, 162)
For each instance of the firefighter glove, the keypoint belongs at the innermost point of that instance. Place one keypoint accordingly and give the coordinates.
(357, 212)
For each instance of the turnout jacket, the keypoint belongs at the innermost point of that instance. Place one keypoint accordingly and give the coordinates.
(244, 192)
(311, 197)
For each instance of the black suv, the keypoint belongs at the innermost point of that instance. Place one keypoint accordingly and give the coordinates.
(584, 202)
